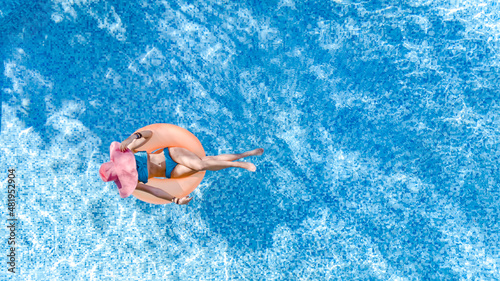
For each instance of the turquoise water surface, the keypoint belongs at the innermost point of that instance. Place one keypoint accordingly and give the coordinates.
(380, 122)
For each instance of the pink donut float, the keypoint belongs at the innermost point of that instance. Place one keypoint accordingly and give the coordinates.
(168, 135)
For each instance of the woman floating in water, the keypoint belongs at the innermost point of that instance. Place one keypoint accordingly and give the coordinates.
(132, 171)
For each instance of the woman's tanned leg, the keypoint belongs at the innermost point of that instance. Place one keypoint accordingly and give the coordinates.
(232, 157)
(212, 163)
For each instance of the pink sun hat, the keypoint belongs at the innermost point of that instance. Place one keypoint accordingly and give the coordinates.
(121, 169)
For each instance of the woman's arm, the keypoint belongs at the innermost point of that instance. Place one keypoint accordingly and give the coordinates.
(162, 194)
(136, 140)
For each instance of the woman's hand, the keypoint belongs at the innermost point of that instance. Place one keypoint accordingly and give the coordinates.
(138, 139)
(183, 200)
(124, 144)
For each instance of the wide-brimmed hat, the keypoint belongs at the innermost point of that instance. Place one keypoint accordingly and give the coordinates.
(121, 169)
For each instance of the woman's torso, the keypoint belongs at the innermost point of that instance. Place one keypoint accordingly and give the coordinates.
(156, 165)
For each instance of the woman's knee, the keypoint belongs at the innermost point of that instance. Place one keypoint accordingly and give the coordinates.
(205, 158)
(198, 165)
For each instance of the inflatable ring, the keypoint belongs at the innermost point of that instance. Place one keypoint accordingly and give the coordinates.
(168, 135)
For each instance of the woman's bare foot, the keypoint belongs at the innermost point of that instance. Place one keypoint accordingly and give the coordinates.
(248, 166)
(256, 152)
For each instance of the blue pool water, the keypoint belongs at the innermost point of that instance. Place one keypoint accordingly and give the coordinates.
(380, 122)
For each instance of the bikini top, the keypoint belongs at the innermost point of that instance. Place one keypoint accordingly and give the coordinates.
(141, 161)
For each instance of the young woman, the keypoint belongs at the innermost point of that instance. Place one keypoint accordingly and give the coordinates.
(170, 162)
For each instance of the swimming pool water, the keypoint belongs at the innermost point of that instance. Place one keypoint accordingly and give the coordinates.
(380, 122)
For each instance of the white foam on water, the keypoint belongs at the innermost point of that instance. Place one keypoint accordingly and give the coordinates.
(56, 17)
(20, 76)
(108, 19)
(329, 37)
(112, 75)
(78, 39)
(287, 3)
(101, 11)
